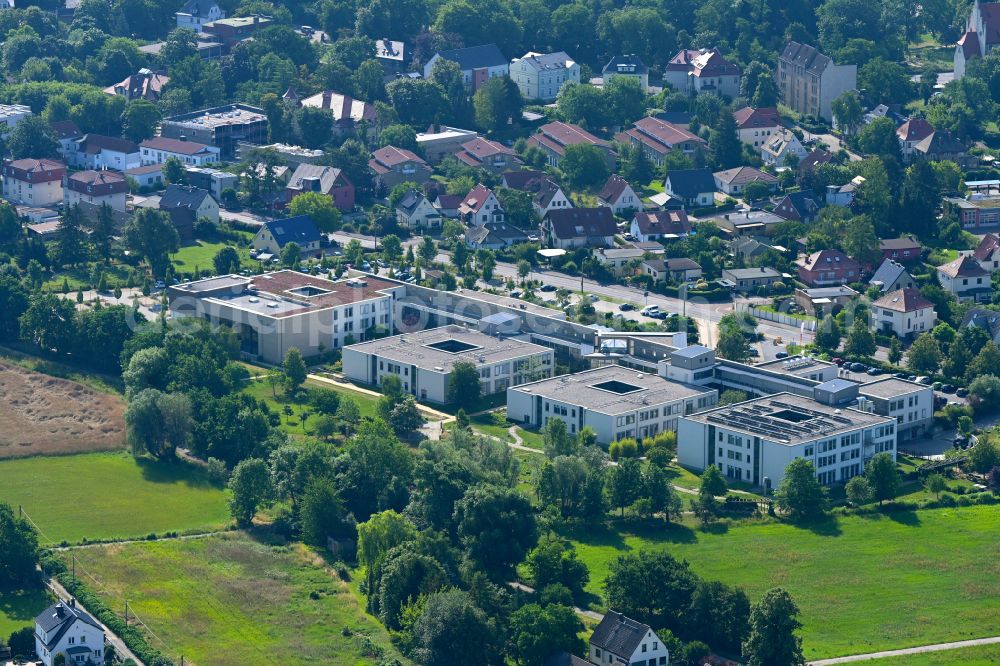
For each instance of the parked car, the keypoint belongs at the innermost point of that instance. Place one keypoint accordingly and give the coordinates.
(516, 293)
(626, 307)
(651, 310)
(962, 392)
(547, 287)
(858, 367)
(594, 298)
(838, 361)
(874, 370)
(900, 375)
(925, 380)
(948, 388)
(781, 354)
(381, 263)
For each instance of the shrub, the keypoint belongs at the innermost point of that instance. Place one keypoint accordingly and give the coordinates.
(217, 471)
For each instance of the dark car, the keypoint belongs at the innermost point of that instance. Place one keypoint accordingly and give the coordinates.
(948, 388)
(858, 367)
(547, 287)
(626, 307)
(962, 392)
(874, 370)
(781, 354)
(900, 375)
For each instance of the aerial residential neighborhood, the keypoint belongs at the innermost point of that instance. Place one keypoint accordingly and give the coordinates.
(411, 333)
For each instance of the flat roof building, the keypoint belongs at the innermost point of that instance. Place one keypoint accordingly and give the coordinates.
(910, 403)
(755, 440)
(425, 360)
(614, 401)
(223, 127)
(276, 311)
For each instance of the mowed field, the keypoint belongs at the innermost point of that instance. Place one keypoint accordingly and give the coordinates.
(986, 655)
(863, 584)
(111, 495)
(19, 609)
(232, 601)
(41, 414)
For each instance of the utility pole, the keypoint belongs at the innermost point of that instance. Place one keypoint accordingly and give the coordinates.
(126, 612)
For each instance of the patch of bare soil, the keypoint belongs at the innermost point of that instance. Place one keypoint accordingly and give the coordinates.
(40, 414)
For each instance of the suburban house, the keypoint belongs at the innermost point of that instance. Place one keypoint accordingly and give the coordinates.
(489, 155)
(801, 206)
(941, 145)
(33, 182)
(809, 81)
(447, 205)
(987, 253)
(393, 55)
(975, 210)
(301, 230)
(190, 201)
(619, 196)
(782, 147)
(148, 177)
(733, 181)
(658, 137)
(146, 84)
(568, 228)
(815, 159)
(912, 132)
(621, 640)
(545, 193)
(843, 195)
(676, 269)
(480, 206)
(347, 112)
(988, 320)
(479, 64)
(904, 313)
(327, 180)
(196, 13)
(629, 66)
(965, 278)
(755, 126)
(215, 181)
(982, 34)
(494, 236)
(554, 137)
(159, 149)
(751, 279)
(694, 187)
(615, 259)
(660, 225)
(94, 151)
(63, 629)
(96, 187)
(66, 133)
(822, 301)
(705, 70)
(891, 276)
(749, 248)
(414, 211)
(904, 249)
(827, 268)
(541, 75)
(393, 166)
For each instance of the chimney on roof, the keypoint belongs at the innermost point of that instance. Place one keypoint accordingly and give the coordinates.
(72, 602)
(60, 610)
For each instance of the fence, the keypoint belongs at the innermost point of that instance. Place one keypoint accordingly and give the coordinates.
(777, 317)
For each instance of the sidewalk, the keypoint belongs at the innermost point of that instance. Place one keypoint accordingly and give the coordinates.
(921, 649)
(347, 386)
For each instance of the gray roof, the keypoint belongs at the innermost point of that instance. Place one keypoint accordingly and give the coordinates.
(691, 351)
(618, 634)
(548, 61)
(835, 385)
(749, 273)
(888, 273)
(988, 320)
(414, 349)
(59, 617)
(625, 64)
(475, 57)
(691, 182)
(807, 57)
(581, 389)
(410, 201)
(682, 264)
(566, 659)
(182, 196)
(891, 387)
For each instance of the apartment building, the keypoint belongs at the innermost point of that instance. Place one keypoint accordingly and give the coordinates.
(910, 403)
(34, 182)
(224, 127)
(97, 188)
(809, 81)
(541, 75)
(190, 153)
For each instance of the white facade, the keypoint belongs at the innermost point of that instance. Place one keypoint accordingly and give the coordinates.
(206, 155)
(541, 76)
(195, 21)
(81, 642)
(755, 454)
(117, 200)
(775, 150)
(423, 216)
(32, 193)
(11, 115)
(903, 324)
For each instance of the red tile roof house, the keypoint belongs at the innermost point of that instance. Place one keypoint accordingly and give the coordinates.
(579, 227)
(734, 181)
(158, 149)
(489, 155)
(553, 138)
(755, 126)
(965, 278)
(393, 166)
(324, 179)
(33, 182)
(904, 312)
(658, 137)
(902, 249)
(827, 268)
(912, 132)
(97, 188)
(619, 196)
(480, 206)
(987, 253)
(660, 225)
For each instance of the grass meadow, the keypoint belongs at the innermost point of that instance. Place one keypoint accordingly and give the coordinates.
(985, 655)
(232, 601)
(111, 495)
(863, 583)
(19, 609)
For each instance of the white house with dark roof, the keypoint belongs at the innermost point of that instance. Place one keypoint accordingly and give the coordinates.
(660, 225)
(904, 313)
(629, 66)
(780, 147)
(579, 227)
(64, 629)
(194, 14)
(95, 151)
(622, 640)
(159, 149)
(890, 276)
(755, 126)
(274, 235)
(480, 206)
(199, 202)
(415, 211)
(703, 70)
(479, 64)
(965, 278)
(676, 269)
(912, 132)
(619, 196)
(541, 75)
(694, 187)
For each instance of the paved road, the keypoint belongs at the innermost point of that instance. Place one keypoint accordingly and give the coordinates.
(243, 217)
(120, 648)
(939, 647)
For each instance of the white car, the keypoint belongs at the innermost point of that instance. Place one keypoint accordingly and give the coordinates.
(650, 310)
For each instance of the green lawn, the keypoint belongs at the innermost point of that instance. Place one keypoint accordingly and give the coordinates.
(110, 495)
(986, 655)
(277, 401)
(20, 609)
(81, 278)
(231, 600)
(863, 583)
(199, 254)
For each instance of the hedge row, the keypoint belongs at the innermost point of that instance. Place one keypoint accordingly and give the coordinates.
(132, 636)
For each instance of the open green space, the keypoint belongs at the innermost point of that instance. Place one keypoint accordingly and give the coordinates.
(199, 254)
(80, 277)
(111, 495)
(277, 400)
(231, 600)
(863, 583)
(19, 609)
(986, 655)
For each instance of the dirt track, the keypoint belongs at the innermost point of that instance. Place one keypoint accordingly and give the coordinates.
(40, 414)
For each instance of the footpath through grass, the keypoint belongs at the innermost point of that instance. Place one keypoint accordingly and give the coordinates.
(111, 495)
(863, 583)
(985, 655)
(233, 601)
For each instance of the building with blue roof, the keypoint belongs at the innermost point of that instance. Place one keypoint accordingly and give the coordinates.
(301, 230)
